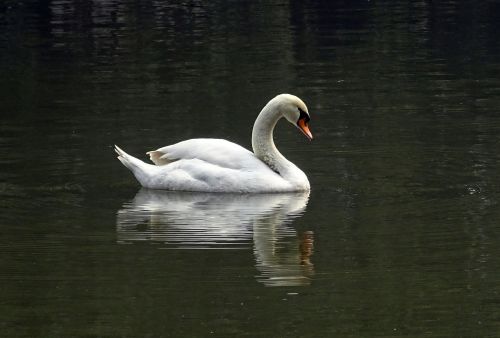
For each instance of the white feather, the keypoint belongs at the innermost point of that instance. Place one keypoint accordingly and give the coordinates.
(218, 165)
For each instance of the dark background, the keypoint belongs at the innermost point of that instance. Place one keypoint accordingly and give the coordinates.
(403, 97)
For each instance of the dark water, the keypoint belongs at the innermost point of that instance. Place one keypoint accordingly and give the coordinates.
(399, 237)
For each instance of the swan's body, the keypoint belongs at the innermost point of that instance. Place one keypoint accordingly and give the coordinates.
(216, 165)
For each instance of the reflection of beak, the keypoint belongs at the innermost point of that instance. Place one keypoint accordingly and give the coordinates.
(304, 128)
(306, 247)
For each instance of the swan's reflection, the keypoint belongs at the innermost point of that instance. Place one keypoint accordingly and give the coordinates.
(226, 221)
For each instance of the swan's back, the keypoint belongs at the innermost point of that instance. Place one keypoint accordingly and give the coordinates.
(214, 165)
(217, 152)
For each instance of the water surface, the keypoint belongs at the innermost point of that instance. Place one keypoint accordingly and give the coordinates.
(399, 236)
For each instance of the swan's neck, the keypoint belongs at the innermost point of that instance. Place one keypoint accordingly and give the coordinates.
(262, 139)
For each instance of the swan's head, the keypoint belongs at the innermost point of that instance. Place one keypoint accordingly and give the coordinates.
(295, 111)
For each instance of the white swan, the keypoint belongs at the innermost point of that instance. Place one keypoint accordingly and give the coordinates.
(216, 165)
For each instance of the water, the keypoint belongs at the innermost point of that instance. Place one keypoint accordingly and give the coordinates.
(398, 237)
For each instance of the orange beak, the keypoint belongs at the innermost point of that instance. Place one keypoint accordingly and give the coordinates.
(304, 128)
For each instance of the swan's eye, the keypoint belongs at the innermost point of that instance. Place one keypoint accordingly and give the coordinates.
(303, 116)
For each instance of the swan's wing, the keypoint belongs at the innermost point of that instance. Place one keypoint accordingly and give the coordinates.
(212, 165)
(214, 151)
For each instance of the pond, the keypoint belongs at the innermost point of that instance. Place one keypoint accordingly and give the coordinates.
(399, 235)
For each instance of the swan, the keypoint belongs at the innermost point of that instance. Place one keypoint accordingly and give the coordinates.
(217, 165)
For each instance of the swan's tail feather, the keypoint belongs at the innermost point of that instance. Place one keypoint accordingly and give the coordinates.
(135, 165)
(127, 160)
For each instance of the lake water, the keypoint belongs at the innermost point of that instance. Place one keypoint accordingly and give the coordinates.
(399, 236)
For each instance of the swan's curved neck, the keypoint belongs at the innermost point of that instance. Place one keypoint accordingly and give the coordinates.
(262, 139)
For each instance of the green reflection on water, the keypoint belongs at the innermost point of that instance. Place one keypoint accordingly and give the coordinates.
(399, 237)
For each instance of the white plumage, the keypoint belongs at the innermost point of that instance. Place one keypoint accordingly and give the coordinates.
(216, 165)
